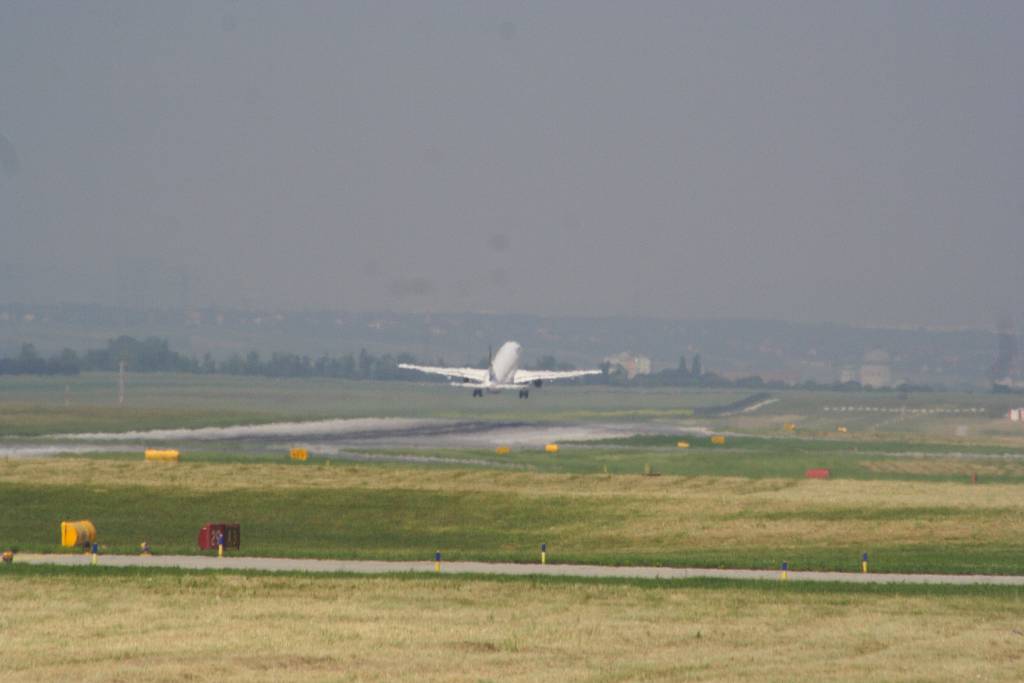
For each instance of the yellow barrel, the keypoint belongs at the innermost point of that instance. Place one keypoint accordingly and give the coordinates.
(682, 444)
(502, 450)
(167, 455)
(75, 534)
(842, 430)
(789, 427)
(551, 448)
(299, 454)
(718, 440)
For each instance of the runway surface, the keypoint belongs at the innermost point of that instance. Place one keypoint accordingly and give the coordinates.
(341, 437)
(271, 564)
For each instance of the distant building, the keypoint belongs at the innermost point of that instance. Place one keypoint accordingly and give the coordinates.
(633, 364)
(876, 371)
(1015, 414)
(847, 375)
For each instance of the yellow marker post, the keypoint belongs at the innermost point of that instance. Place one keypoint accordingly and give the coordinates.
(437, 562)
(543, 553)
(95, 552)
(864, 563)
(784, 576)
(220, 550)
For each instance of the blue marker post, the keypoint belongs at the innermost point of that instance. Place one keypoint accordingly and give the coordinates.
(437, 562)
(785, 572)
(543, 553)
(95, 551)
(864, 563)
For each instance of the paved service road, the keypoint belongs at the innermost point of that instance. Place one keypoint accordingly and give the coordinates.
(509, 569)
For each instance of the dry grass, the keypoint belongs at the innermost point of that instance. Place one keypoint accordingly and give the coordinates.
(231, 627)
(945, 466)
(97, 472)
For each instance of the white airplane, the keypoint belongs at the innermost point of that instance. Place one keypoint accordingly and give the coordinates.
(504, 373)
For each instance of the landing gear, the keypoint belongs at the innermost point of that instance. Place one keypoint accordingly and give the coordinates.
(478, 393)
(524, 393)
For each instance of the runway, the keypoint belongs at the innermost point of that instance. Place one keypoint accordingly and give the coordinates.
(271, 564)
(339, 438)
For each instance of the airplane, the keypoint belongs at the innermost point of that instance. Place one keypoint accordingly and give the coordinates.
(504, 373)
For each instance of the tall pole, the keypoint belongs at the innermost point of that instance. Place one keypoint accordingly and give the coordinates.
(120, 383)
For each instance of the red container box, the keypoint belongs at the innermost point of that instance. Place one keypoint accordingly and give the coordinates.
(231, 533)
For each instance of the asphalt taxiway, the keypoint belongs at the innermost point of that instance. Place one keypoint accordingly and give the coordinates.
(274, 564)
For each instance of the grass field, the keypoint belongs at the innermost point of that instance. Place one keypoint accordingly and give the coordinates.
(104, 625)
(31, 406)
(395, 512)
(904, 498)
(900, 490)
(752, 457)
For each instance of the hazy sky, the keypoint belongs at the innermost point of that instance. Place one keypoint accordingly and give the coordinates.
(857, 162)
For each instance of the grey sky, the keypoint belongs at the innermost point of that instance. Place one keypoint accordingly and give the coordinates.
(859, 162)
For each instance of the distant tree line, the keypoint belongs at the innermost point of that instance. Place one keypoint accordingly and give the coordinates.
(155, 355)
(29, 362)
(149, 355)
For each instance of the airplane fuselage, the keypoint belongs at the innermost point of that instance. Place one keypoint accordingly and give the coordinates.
(505, 363)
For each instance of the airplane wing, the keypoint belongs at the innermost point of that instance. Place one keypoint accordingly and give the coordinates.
(471, 374)
(527, 376)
